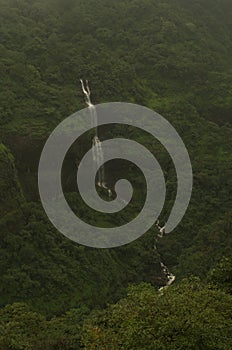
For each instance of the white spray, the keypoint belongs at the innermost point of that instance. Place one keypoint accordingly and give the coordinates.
(98, 155)
(170, 277)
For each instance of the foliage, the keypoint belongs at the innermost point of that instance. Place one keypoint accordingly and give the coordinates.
(11, 191)
(189, 316)
(221, 275)
(174, 57)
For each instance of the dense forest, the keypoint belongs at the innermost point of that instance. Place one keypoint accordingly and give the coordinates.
(174, 57)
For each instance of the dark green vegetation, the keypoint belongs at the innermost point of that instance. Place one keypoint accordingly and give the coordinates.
(188, 316)
(174, 57)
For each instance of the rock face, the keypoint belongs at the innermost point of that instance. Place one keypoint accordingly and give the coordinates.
(11, 193)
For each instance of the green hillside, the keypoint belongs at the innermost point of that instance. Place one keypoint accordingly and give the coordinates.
(10, 189)
(174, 57)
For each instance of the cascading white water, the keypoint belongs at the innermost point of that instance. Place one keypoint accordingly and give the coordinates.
(98, 158)
(170, 277)
(98, 155)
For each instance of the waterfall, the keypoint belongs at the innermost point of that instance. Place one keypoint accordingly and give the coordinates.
(97, 152)
(98, 158)
(169, 276)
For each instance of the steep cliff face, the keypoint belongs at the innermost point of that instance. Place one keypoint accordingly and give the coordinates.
(11, 193)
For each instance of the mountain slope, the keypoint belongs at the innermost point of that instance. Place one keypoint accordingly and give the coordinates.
(174, 57)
